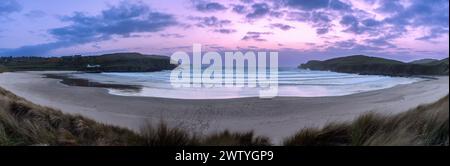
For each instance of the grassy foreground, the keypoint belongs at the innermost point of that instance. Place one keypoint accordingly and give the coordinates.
(423, 126)
(25, 123)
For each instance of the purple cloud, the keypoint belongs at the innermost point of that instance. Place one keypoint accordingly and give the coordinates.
(308, 5)
(319, 20)
(247, 1)
(35, 14)
(354, 25)
(9, 6)
(240, 9)
(225, 31)
(123, 20)
(259, 10)
(283, 27)
(211, 21)
(204, 6)
(174, 35)
(256, 36)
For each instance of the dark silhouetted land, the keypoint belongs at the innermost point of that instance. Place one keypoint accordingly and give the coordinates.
(118, 62)
(361, 64)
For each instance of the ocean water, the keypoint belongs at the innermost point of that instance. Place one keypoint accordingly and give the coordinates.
(291, 82)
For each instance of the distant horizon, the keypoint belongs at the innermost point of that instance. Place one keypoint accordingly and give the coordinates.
(281, 65)
(300, 30)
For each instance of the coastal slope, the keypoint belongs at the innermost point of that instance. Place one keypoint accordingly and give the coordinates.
(361, 64)
(426, 125)
(25, 123)
(117, 62)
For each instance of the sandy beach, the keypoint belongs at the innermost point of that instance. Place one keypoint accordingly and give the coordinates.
(276, 118)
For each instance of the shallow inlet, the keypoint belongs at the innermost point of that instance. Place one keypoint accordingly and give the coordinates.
(291, 82)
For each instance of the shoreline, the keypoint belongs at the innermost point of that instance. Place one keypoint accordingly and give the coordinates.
(277, 118)
(71, 81)
(136, 89)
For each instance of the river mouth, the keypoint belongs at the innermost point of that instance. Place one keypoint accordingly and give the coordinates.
(291, 83)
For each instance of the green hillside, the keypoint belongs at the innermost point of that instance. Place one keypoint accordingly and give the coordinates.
(424, 61)
(361, 64)
(118, 62)
(445, 61)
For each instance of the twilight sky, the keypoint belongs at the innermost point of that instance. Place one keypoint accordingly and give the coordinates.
(299, 30)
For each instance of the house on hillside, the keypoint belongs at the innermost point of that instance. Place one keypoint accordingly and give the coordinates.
(93, 68)
(89, 66)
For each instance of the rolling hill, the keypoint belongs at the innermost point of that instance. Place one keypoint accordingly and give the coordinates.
(118, 62)
(361, 64)
(424, 61)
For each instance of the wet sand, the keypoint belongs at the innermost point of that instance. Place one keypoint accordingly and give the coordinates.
(67, 80)
(276, 118)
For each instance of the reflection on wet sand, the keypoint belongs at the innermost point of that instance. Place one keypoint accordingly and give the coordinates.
(67, 80)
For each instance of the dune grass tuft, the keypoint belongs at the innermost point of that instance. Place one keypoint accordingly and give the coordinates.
(165, 136)
(423, 126)
(228, 138)
(161, 135)
(331, 135)
(24, 123)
